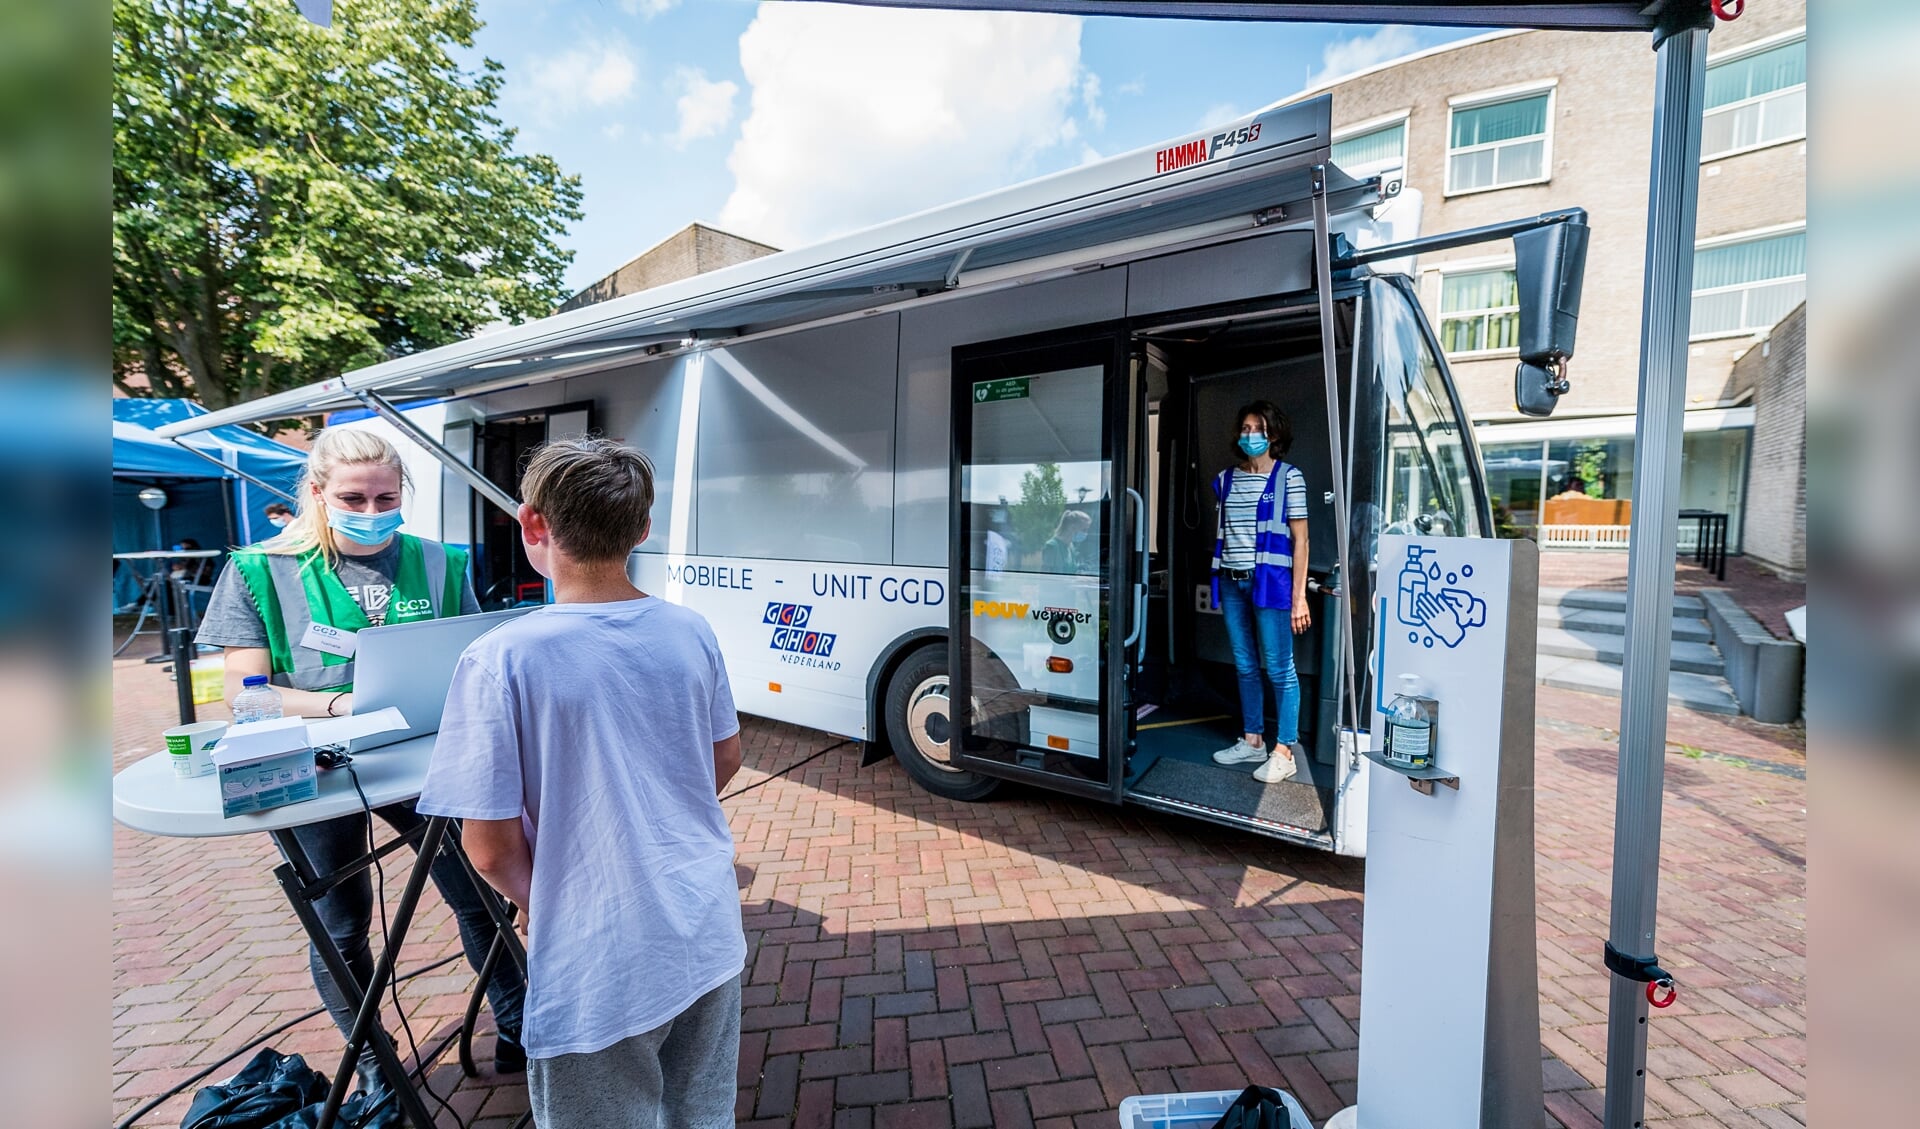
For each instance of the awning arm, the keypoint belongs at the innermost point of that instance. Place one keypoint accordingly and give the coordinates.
(1463, 238)
(236, 471)
(448, 459)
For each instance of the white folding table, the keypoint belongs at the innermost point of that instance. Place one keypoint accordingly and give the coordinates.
(148, 797)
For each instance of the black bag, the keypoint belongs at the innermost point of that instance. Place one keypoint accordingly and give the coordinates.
(276, 1091)
(1257, 1107)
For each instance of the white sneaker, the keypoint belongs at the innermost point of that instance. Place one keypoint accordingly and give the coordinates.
(1277, 768)
(1240, 753)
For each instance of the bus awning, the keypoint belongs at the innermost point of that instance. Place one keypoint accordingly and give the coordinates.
(1565, 15)
(1247, 173)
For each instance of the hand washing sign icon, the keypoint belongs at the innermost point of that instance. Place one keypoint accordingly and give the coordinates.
(1431, 603)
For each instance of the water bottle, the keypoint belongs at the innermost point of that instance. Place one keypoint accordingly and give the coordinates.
(1409, 727)
(257, 702)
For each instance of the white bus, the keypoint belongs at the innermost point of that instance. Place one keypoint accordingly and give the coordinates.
(862, 446)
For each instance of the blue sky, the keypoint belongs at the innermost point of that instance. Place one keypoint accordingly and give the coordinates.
(793, 122)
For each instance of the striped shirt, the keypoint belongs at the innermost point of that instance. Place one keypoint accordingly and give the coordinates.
(1242, 518)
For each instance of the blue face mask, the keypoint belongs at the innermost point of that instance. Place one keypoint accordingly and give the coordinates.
(1253, 445)
(1079, 537)
(364, 529)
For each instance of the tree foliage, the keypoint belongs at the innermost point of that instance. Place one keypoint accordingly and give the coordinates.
(292, 202)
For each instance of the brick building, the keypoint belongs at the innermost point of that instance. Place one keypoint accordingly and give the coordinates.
(1776, 370)
(1517, 123)
(694, 249)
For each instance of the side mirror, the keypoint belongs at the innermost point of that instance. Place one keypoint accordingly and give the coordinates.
(1550, 263)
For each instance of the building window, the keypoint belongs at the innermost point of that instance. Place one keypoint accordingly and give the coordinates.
(1747, 285)
(1479, 312)
(1372, 150)
(1498, 144)
(1755, 100)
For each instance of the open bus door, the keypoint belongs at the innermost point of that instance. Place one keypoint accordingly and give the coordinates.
(1048, 534)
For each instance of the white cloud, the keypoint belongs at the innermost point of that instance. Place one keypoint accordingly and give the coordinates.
(614, 131)
(557, 85)
(860, 115)
(1132, 86)
(705, 107)
(1343, 57)
(648, 8)
(1090, 99)
(1217, 115)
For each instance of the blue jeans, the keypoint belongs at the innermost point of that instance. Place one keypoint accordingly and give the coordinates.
(347, 912)
(1270, 662)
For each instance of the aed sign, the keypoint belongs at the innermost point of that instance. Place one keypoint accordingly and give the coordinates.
(993, 391)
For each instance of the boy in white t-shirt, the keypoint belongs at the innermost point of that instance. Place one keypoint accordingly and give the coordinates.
(585, 745)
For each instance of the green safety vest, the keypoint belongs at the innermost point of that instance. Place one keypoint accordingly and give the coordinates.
(292, 592)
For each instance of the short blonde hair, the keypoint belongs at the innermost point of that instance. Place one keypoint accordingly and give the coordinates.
(595, 494)
(335, 447)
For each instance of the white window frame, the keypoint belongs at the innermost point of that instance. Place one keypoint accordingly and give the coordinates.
(1401, 118)
(1740, 237)
(1735, 55)
(1440, 314)
(1550, 87)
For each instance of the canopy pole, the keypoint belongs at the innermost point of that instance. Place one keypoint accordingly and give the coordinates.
(448, 459)
(1342, 597)
(1666, 304)
(233, 470)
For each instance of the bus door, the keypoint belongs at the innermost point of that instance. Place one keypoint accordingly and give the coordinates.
(1047, 537)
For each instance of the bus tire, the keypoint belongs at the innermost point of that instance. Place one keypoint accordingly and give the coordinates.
(919, 727)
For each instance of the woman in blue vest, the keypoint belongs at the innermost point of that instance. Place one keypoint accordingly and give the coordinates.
(1262, 531)
(342, 562)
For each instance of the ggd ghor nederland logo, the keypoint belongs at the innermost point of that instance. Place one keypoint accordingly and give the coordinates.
(790, 633)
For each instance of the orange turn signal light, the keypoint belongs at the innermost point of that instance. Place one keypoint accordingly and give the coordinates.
(774, 686)
(1056, 742)
(1060, 665)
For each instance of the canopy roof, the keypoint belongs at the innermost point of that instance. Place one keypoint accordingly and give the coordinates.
(137, 450)
(1204, 185)
(1567, 15)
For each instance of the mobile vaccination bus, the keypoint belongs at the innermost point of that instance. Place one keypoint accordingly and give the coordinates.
(863, 448)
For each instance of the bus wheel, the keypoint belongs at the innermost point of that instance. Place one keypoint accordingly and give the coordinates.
(920, 728)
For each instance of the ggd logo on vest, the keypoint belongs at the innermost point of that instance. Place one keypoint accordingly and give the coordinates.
(409, 609)
(798, 645)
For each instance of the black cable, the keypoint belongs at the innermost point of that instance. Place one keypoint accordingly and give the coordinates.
(161, 1099)
(386, 941)
(789, 768)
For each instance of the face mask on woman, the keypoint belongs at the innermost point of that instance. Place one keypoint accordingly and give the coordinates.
(1253, 445)
(364, 529)
(1079, 537)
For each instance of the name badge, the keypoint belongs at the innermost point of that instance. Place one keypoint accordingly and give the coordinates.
(332, 640)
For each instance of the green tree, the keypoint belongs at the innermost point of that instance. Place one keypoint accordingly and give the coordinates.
(292, 202)
(1042, 498)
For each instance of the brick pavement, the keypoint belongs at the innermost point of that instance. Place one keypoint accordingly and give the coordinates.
(1033, 960)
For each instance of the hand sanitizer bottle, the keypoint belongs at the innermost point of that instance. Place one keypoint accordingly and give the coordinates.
(1409, 726)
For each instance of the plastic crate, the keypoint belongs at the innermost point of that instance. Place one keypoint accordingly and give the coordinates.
(1197, 1110)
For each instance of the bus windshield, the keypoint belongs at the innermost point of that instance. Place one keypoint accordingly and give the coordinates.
(1429, 486)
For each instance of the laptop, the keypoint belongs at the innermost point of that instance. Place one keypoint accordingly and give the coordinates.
(410, 665)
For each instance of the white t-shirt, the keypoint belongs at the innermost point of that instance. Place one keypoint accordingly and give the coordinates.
(595, 723)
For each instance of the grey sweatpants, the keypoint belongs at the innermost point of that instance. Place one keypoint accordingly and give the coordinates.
(680, 1075)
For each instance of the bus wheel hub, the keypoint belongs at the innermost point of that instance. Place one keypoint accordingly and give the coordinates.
(930, 720)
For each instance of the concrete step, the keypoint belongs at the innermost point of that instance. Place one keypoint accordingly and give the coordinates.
(1601, 646)
(1594, 600)
(1595, 620)
(1704, 693)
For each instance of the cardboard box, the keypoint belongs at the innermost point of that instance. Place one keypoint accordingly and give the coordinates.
(265, 764)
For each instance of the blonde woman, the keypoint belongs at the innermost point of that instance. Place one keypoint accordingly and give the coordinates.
(343, 563)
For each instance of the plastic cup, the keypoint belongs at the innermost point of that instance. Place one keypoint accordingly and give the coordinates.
(190, 747)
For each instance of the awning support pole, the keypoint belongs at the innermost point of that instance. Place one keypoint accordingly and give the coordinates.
(1666, 304)
(448, 459)
(1347, 686)
(234, 470)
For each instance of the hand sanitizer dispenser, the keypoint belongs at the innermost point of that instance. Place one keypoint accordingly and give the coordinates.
(1412, 724)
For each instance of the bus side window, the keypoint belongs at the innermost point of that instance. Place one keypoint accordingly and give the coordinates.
(1428, 482)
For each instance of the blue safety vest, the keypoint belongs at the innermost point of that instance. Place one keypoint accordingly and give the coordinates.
(1272, 543)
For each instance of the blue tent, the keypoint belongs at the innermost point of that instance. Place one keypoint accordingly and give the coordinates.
(207, 501)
